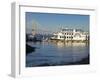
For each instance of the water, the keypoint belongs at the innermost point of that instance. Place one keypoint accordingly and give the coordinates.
(57, 53)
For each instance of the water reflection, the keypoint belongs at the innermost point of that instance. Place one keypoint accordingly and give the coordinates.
(58, 53)
(62, 44)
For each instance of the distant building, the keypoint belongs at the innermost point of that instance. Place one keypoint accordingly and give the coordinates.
(71, 34)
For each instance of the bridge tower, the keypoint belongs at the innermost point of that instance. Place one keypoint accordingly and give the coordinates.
(34, 27)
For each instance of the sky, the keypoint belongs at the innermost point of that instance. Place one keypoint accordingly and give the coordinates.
(51, 22)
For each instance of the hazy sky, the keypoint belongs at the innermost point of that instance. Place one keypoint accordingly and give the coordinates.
(53, 22)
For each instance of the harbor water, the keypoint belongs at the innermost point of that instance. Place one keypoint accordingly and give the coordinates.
(57, 53)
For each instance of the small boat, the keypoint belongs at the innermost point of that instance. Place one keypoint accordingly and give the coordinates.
(29, 49)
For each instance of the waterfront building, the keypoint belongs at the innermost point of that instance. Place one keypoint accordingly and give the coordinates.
(71, 34)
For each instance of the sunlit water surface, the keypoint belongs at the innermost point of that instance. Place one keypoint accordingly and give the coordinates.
(56, 53)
